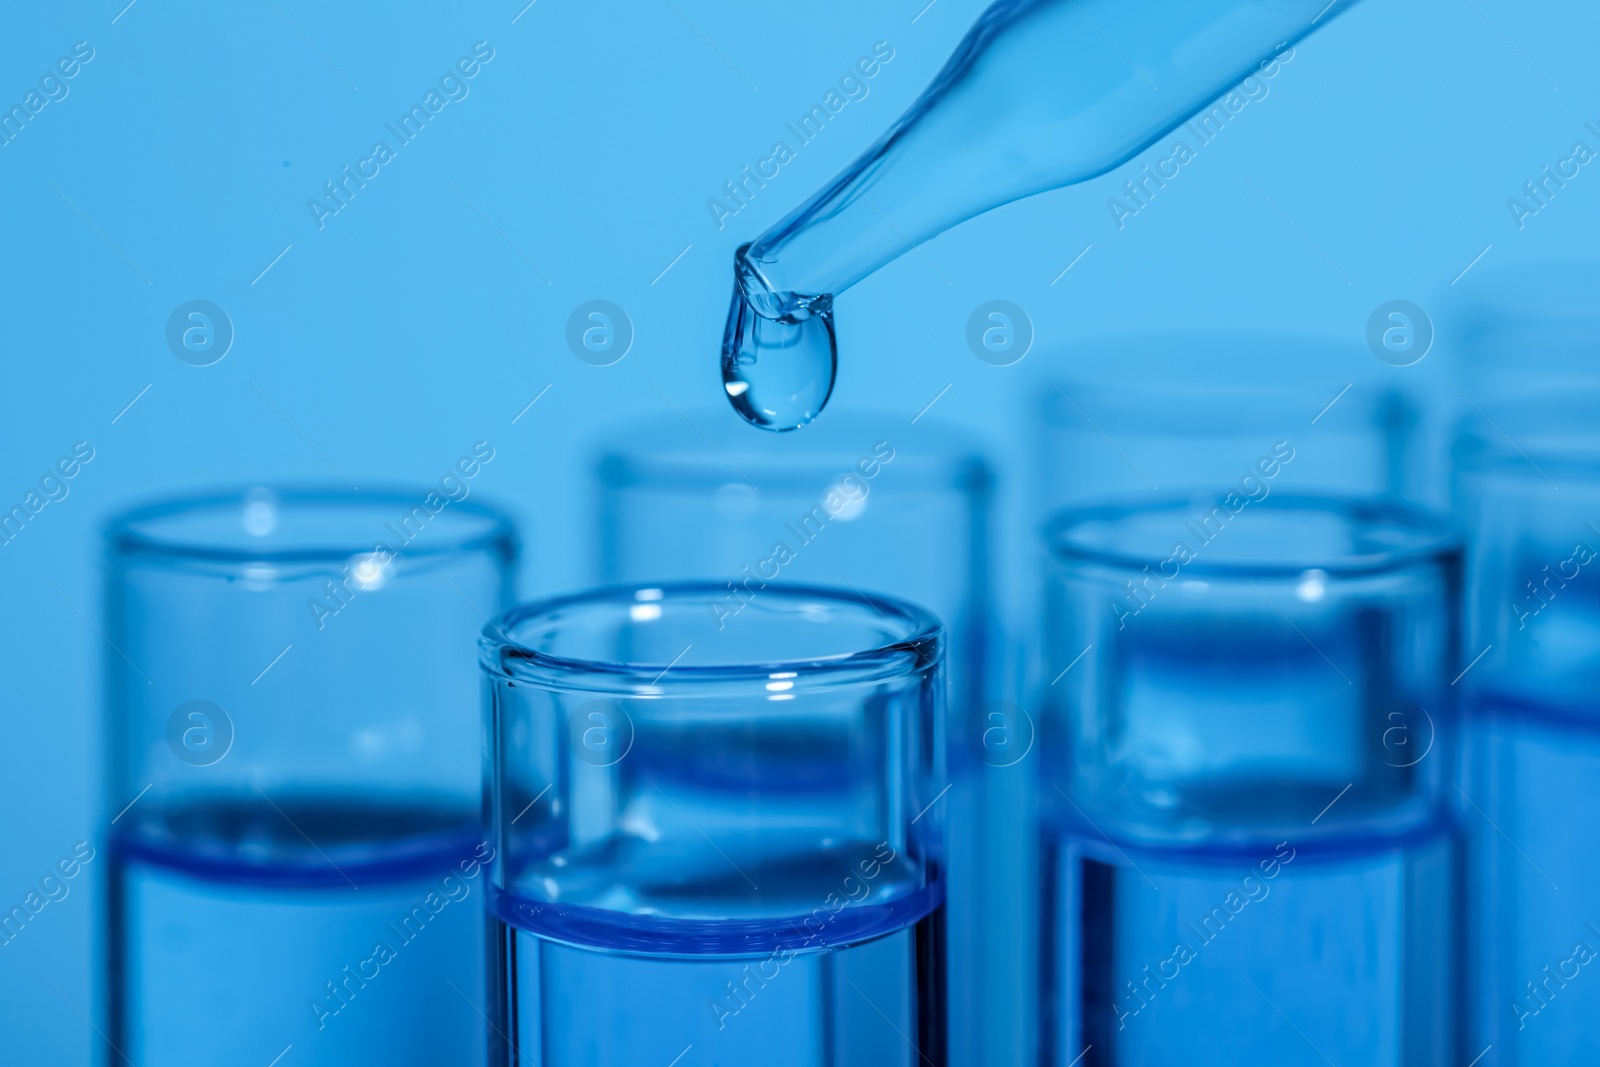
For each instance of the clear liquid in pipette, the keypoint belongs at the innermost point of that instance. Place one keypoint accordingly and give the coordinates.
(779, 354)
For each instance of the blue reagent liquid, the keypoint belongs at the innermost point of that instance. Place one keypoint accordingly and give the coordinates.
(1289, 953)
(838, 980)
(1534, 880)
(234, 939)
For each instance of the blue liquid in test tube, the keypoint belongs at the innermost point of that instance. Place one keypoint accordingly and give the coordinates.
(1248, 856)
(293, 783)
(1533, 740)
(722, 842)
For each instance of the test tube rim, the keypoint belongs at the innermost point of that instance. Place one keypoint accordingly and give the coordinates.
(1258, 406)
(922, 646)
(1549, 426)
(1439, 541)
(496, 532)
(645, 454)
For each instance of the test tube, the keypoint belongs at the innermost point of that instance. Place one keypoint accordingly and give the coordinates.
(725, 840)
(1528, 487)
(1523, 331)
(859, 501)
(1248, 851)
(1163, 430)
(293, 781)
(853, 500)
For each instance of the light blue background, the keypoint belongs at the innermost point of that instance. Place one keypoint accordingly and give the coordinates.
(416, 322)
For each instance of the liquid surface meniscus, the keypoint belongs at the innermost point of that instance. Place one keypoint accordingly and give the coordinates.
(823, 964)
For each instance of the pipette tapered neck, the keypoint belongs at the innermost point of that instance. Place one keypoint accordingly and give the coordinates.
(770, 302)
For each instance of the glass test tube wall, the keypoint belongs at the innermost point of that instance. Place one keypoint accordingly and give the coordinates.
(293, 781)
(1248, 853)
(1533, 739)
(717, 838)
(1166, 431)
(864, 504)
(901, 509)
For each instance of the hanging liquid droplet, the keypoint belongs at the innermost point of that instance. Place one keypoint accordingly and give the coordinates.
(778, 354)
